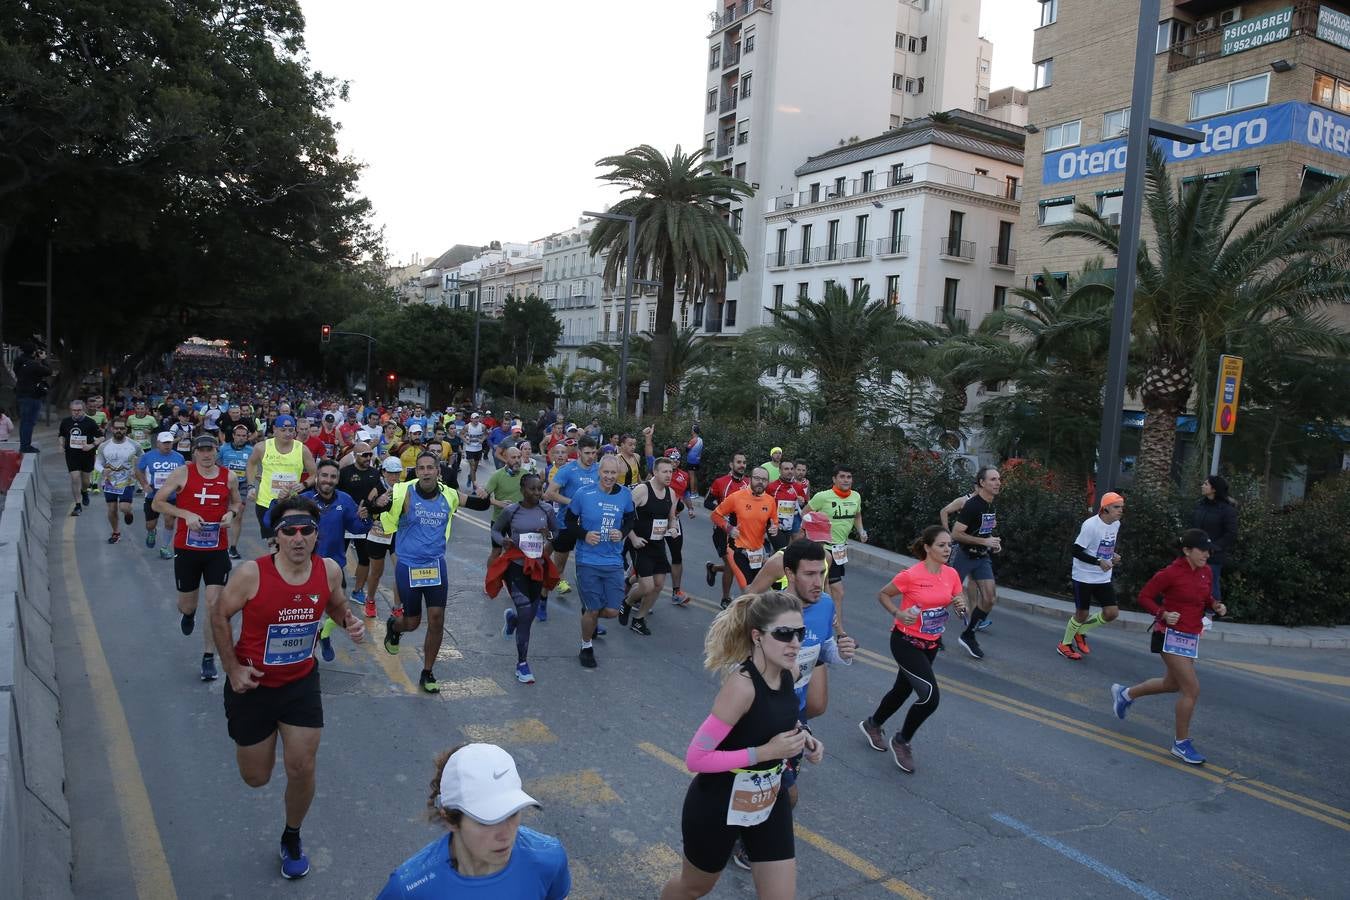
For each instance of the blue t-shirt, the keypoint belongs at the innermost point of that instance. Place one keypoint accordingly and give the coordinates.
(159, 466)
(695, 454)
(601, 512)
(336, 518)
(537, 869)
(415, 420)
(421, 529)
(497, 435)
(574, 476)
(236, 460)
(819, 621)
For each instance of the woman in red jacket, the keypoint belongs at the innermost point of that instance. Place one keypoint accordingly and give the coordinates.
(1184, 589)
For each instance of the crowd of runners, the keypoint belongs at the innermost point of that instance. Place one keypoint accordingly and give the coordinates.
(343, 490)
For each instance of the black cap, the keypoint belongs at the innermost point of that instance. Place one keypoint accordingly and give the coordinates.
(205, 440)
(1196, 539)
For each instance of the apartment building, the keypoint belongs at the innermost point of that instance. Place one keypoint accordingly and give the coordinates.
(572, 281)
(518, 277)
(923, 215)
(791, 78)
(1268, 83)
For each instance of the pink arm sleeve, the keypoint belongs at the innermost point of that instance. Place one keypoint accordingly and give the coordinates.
(702, 755)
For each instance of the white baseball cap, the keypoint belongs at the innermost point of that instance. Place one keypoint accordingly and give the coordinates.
(392, 464)
(481, 781)
(414, 429)
(164, 437)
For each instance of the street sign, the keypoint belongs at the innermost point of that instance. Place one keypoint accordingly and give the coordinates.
(1226, 394)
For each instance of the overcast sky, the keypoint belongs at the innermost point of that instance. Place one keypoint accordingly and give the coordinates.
(483, 121)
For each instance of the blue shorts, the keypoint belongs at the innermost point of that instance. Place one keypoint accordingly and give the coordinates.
(411, 597)
(601, 588)
(125, 495)
(981, 568)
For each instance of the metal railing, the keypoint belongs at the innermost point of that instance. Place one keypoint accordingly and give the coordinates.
(958, 315)
(731, 57)
(893, 245)
(918, 174)
(827, 253)
(1209, 46)
(1003, 257)
(728, 103)
(724, 148)
(952, 247)
(784, 201)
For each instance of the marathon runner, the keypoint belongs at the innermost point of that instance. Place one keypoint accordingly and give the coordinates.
(272, 681)
(975, 540)
(1094, 558)
(1186, 588)
(844, 507)
(152, 470)
(143, 426)
(524, 531)
(421, 513)
(944, 516)
(599, 518)
(756, 520)
(925, 590)
(738, 752)
(679, 486)
(234, 456)
(503, 490)
(79, 439)
(790, 498)
(361, 481)
(693, 455)
(720, 489)
(205, 500)
(276, 468)
(654, 508)
(115, 462)
(475, 433)
(580, 473)
(379, 542)
(631, 475)
(774, 463)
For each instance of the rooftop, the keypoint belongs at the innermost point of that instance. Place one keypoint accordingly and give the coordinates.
(956, 128)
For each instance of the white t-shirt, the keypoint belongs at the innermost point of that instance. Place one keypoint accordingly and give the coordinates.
(1099, 540)
(473, 436)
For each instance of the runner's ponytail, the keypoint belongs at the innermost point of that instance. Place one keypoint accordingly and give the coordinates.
(728, 642)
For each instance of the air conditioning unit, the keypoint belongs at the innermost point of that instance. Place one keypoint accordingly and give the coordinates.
(1229, 16)
(1204, 25)
(1113, 219)
(832, 195)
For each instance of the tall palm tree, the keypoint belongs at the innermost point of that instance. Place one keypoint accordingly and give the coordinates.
(1216, 279)
(601, 382)
(682, 239)
(688, 353)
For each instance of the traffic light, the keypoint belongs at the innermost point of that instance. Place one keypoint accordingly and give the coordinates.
(392, 378)
(327, 333)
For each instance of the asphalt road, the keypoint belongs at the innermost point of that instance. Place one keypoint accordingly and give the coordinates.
(1026, 782)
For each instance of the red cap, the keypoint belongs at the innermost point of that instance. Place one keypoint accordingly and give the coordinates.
(817, 526)
(671, 453)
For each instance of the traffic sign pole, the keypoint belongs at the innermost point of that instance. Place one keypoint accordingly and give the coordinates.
(1226, 392)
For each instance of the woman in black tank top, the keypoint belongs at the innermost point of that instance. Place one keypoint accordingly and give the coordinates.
(740, 749)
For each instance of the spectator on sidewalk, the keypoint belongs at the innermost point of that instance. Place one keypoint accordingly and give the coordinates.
(30, 387)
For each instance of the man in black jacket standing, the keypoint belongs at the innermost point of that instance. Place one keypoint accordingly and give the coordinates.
(1216, 516)
(30, 387)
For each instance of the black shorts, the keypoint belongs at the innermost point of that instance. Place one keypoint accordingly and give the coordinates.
(720, 544)
(692, 467)
(780, 540)
(676, 546)
(473, 455)
(267, 533)
(150, 514)
(743, 563)
(1086, 596)
(708, 839)
(564, 542)
(376, 550)
(362, 554)
(192, 567)
(1155, 641)
(79, 461)
(253, 716)
(651, 560)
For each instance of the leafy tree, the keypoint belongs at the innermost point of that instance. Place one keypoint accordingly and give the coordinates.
(682, 238)
(732, 386)
(601, 382)
(528, 332)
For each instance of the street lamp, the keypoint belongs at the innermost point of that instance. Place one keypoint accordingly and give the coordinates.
(627, 298)
(327, 332)
(453, 282)
(1132, 201)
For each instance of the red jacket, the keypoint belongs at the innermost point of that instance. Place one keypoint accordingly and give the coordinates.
(1184, 590)
(541, 569)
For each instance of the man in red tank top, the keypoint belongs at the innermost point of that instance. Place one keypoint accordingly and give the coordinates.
(207, 502)
(272, 681)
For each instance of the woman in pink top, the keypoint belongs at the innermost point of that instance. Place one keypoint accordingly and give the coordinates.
(924, 592)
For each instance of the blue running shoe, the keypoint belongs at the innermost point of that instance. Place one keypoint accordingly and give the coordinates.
(542, 614)
(1118, 702)
(294, 866)
(509, 626)
(326, 649)
(359, 596)
(1186, 752)
(600, 631)
(984, 623)
(523, 673)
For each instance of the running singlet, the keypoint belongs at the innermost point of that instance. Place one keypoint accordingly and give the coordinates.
(537, 870)
(281, 623)
(930, 594)
(208, 498)
(279, 470)
(142, 429)
(653, 517)
(632, 473)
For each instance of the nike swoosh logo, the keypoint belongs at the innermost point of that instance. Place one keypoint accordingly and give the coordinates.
(498, 775)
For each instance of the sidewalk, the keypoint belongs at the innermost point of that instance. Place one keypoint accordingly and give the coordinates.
(1334, 638)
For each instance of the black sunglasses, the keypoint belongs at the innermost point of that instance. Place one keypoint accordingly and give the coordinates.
(364, 455)
(785, 634)
(307, 530)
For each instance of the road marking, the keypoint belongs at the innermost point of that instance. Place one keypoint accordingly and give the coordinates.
(584, 788)
(1081, 858)
(470, 688)
(374, 643)
(1287, 674)
(149, 865)
(519, 731)
(819, 841)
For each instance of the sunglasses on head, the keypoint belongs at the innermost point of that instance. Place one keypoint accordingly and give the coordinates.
(785, 634)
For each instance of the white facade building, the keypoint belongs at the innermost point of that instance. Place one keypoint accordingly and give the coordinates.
(572, 282)
(788, 78)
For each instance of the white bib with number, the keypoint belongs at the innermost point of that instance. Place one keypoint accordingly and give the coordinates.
(659, 527)
(1179, 643)
(78, 442)
(290, 644)
(806, 664)
(755, 558)
(839, 553)
(787, 511)
(281, 480)
(531, 543)
(207, 537)
(752, 796)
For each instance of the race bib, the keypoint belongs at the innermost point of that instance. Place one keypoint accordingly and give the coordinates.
(755, 558)
(752, 796)
(290, 644)
(78, 442)
(140, 435)
(806, 664)
(531, 543)
(988, 522)
(933, 621)
(280, 480)
(787, 511)
(1106, 549)
(185, 446)
(659, 528)
(378, 537)
(1179, 643)
(207, 537)
(159, 478)
(424, 576)
(839, 553)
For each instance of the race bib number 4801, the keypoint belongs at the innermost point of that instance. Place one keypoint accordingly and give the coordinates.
(290, 644)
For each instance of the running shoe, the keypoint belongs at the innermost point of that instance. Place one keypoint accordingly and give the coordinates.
(114, 537)
(972, 646)
(186, 623)
(1119, 704)
(600, 631)
(427, 682)
(984, 624)
(1081, 643)
(391, 636)
(358, 596)
(679, 597)
(587, 657)
(740, 857)
(296, 866)
(523, 673)
(76, 510)
(166, 553)
(624, 611)
(904, 757)
(370, 610)
(726, 601)
(1067, 651)
(150, 538)
(209, 667)
(709, 575)
(876, 738)
(541, 615)
(640, 626)
(398, 611)
(509, 623)
(563, 586)
(84, 497)
(127, 518)
(1186, 752)
(326, 649)
(234, 553)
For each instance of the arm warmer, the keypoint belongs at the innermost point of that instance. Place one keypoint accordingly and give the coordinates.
(574, 526)
(702, 755)
(829, 654)
(1081, 554)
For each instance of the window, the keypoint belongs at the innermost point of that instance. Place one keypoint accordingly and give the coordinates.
(896, 171)
(860, 236)
(897, 222)
(743, 134)
(1115, 123)
(893, 290)
(780, 249)
(923, 44)
(832, 238)
(715, 56)
(1109, 204)
(729, 308)
(814, 192)
(1056, 211)
(949, 291)
(806, 243)
(1170, 33)
(913, 45)
(1224, 98)
(1049, 12)
(712, 100)
(745, 86)
(829, 283)
(956, 221)
(803, 290)
(857, 286)
(632, 322)
(839, 186)
(749, 44)
(1332, 92)
(1057, 137)
(1000, 297)
(740, 171)
(1247, 183)
(920, 88)
(778, 298)
(606, 320)
(651, 320)
(684, 315)
(897, 84)
(900, 40)
(909, 85)
(1314, 180)
(1045, 74)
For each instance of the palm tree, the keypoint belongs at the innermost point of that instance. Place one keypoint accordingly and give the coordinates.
(602, 382)
(1216, 279)
(688, 353)
(682, 239)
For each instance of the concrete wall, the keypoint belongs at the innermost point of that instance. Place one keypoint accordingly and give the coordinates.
(35, 848)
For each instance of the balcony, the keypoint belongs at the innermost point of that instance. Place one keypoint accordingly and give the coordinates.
(1002, 257)
(728, 104)
(784, 201)
(956, 315)
(734, 12)
(828, 255)
(1207, 47)
(576, 340)
(950, 246)
(731, 58)
(912, 176)
(724, 147)
(893, 245)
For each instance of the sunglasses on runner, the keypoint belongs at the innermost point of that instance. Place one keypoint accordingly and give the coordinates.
(293, 530)
(364, 455)
(783, 634)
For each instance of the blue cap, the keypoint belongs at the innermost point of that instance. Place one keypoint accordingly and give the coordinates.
(285, 422)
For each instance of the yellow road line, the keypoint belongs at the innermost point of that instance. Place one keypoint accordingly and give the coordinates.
(517, 731)
(584, 788)
(1287, 674)
(374, 644)
(819, 841)
(149, 865)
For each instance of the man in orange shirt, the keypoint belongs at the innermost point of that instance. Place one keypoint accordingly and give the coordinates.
(756, 516)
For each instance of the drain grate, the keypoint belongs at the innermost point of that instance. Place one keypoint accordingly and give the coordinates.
(336, 681)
